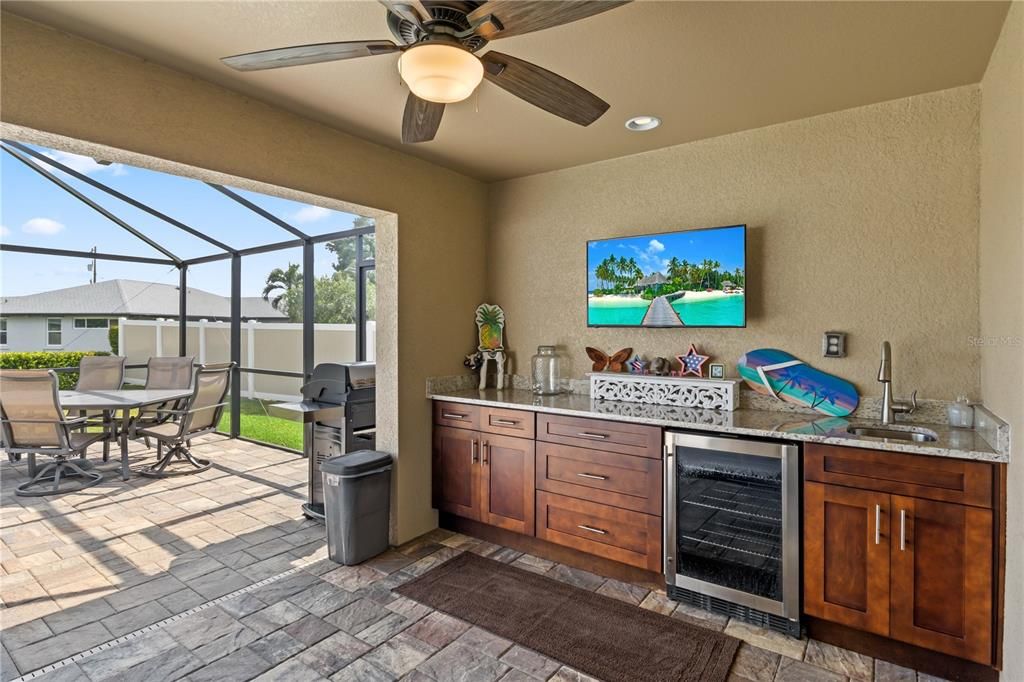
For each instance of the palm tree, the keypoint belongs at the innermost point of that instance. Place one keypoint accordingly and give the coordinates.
(674, 273)
(280, 282)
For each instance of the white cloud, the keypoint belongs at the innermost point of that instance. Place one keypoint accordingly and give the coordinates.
(4, 231)
(45, 226)
(311, 214)
(654, 246)
(82, 164)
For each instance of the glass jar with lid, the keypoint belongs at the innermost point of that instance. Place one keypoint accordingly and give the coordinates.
(546, 376)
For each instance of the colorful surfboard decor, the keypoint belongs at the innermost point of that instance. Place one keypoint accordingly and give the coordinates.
(774, 372)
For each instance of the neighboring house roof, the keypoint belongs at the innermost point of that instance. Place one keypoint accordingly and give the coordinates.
(132, 298)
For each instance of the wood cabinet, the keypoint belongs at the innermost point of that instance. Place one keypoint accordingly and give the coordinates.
(902, 547)
(480, 475)
(456, 471)
(942, 577)
(846, 556)
(591, 485)
(506, 483)
(619, 534)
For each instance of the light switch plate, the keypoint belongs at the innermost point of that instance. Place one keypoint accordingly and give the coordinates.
(833, 345)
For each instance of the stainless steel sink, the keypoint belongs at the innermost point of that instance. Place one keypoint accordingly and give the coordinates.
(914, 434)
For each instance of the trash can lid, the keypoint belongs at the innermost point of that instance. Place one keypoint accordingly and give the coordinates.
(354, 463)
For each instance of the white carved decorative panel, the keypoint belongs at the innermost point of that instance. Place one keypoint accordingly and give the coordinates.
(712, 394)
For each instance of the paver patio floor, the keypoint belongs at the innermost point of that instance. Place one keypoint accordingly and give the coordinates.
(218, 576)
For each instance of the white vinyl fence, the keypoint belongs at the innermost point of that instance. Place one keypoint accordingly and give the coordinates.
(265, 345)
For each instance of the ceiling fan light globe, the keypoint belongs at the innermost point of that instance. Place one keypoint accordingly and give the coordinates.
(440, 73)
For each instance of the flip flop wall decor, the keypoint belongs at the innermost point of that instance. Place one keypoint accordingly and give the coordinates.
(774, 372)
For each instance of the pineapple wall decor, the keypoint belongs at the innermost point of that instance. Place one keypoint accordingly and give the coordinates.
(490, 323)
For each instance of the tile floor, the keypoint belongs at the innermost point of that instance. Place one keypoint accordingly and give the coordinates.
(78, 571)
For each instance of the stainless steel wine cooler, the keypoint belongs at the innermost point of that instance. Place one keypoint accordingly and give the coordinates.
(732, 527)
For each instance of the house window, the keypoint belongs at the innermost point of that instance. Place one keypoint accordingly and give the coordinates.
(53, 332)
(3, 331)
(91, 323)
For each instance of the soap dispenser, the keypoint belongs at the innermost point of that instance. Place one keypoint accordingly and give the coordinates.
(961, 414)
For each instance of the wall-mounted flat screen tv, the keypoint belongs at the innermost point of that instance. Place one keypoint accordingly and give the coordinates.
(693, 278)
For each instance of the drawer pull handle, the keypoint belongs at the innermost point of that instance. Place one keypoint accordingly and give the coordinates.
(504, 422)
(592, 529)
(596, 477)
(878, 520)
(595, 436)
(453, 415)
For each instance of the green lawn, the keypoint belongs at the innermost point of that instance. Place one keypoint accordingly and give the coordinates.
(257, 424)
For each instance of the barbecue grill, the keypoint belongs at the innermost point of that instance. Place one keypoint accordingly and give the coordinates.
(338, 411)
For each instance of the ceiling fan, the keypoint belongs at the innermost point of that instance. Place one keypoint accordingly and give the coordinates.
(439, 39)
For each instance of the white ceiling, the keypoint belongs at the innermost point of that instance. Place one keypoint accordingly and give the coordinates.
(706, 68)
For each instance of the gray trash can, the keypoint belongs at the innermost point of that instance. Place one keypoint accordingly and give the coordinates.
(357, 504)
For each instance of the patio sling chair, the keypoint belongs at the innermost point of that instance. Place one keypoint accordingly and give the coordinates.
(163, 373)
(34, 423)
(199, 416)
(101, 373)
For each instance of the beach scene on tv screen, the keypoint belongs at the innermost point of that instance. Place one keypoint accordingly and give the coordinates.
(681, 279)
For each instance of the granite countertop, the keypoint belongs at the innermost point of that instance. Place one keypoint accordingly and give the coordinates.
(812, 428)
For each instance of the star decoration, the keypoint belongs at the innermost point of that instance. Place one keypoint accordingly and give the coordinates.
(637, 365)
(692, 362)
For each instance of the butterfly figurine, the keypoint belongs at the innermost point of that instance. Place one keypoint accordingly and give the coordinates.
(614, 363)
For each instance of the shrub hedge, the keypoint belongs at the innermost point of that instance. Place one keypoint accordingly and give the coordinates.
(113, 335)
(48, 360)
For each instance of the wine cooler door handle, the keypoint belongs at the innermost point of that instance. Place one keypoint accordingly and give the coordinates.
(878, 524)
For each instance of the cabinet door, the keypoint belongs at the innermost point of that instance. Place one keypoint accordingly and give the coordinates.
(846, 556)
(507, 466)
(456, 471)
(942, 577)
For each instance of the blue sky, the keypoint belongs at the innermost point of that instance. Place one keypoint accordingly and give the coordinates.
(652, 252)
(35, 212)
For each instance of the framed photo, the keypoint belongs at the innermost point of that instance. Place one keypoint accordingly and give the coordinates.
(717, 371)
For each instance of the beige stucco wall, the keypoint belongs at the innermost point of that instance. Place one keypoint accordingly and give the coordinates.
(863, 221)
(1002, 294)
(71, 87)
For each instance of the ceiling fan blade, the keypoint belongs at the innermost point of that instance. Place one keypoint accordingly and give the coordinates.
(421, 120)
(544, 89)
(308, 54)
(413, 11)
(516, 17)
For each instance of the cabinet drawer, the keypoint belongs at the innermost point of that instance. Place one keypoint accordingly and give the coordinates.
(621, 535)
(598, 434)
(518, 423)
(930, 478)
(457, 415)
(609, 478)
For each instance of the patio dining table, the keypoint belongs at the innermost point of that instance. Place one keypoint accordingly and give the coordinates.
(123, 401)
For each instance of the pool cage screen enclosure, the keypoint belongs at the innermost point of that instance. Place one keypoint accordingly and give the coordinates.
(35, 160)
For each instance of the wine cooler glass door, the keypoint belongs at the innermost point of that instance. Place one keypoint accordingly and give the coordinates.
(730, 519)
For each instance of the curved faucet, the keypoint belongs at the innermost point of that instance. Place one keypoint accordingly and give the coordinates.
(891, 406)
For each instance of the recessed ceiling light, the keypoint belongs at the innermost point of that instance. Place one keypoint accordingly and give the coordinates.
(642, 123)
